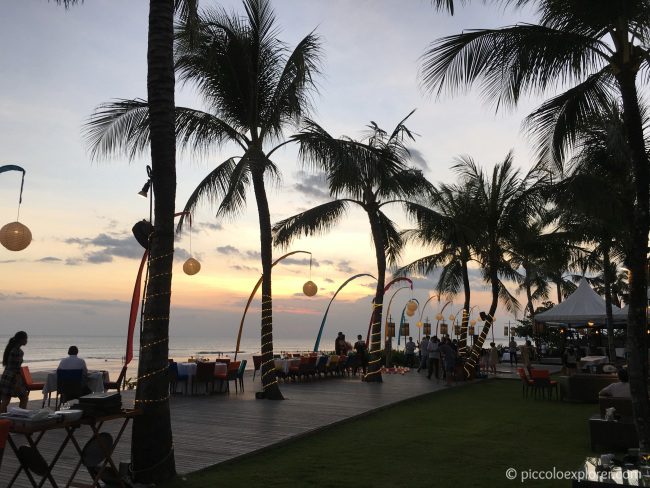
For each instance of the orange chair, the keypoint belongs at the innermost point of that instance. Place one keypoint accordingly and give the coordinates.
(542, 381)
(527, 383)
(232, 375)
(29, 383)
(4, 434)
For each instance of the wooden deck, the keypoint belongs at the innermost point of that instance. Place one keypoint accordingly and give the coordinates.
(210, 429)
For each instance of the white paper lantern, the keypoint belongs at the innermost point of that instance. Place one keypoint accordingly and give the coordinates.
(309, 288)
(15, 236)
(191, 266)
(412, 306)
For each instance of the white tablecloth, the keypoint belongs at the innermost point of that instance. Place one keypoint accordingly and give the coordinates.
(593, 360)
(95, 382)
(283, 365)
(189, 370)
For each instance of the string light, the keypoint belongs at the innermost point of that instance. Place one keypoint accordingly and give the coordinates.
(151, 319)
(157, 294)
(145, 346)
(153, 373)
(159, 400)
(161, 257)
(159, 275)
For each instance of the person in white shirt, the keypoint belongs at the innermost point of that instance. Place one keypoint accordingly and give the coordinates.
(74, 362)
(621, 389)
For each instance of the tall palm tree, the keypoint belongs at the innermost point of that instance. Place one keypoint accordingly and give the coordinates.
(446, 221)
(254, 88)
(371, 173)
(601, 46)
(505, 200)
(152, 445)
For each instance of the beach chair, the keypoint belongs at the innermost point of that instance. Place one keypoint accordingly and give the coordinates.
(4, 435)
(29, 383)
(116, 385)
(257, 364)
(68, 385)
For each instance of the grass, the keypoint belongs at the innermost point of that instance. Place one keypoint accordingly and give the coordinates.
(458, 437)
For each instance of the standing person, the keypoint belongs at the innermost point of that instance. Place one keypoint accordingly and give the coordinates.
(11, 382)
(526, 353)
(493, 358)
(570, 360)
(410, 352)
(513, 351)
(362, 358)
(338, 343)
(75, 362)
(448, 359)
(433, 351)
(346, 347)
(424, 353)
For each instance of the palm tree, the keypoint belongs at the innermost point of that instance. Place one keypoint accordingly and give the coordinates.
(152, 444)
(601, 46)
(505, 200)
(446, 221)
(371, 174)
(254, 88)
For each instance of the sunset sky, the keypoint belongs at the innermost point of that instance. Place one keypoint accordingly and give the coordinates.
(77, 276)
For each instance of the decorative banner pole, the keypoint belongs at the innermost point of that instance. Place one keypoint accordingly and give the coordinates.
(14, 235)
(322, 324)
(307, 287)
(409, 309)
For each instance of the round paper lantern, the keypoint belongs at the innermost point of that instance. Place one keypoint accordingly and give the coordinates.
(452, 318)
(309, 288)
(15, 236)
(191, 266)
(412, 306)
(418, 324)
(439, 317)
(410, 313)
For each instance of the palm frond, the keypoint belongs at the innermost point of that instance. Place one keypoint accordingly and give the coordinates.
(393, 243)
(310, 222)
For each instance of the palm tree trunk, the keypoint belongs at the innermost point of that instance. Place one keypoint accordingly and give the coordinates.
(271, 390)
(462, 344)
(558, 287)
(608, 306)
(637, 348)
(474, 356)
(529, 295)
(374, 365)
(152, 445)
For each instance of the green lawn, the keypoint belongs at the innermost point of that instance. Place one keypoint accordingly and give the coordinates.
(463, 436)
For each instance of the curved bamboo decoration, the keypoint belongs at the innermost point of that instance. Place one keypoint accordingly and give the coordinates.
(250, 299)
(424, 306)
(385, 290)
(442, 313)
(402, 319)
(322, 324)
(390, 302)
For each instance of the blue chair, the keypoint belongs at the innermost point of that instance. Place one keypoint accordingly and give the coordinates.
(174, 378)
(68, 385)
(240, 375)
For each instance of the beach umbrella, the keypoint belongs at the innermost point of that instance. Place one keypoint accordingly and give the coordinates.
(15, 236)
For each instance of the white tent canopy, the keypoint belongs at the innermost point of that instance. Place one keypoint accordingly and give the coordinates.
(582, 306)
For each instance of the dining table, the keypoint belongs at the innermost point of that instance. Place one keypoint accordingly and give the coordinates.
(95, 381)
(283, 365)
(189, 370)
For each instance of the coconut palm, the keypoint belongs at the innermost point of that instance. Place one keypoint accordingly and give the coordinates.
(370, 173)
(505, 199)
(598, 47)
(254, 87)
(446, 221)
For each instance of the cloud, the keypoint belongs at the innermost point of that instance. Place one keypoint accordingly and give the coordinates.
(301, 262)
(227, 250)
(344, 266)
(241, 267)
(417, 159)
(181, 254)
(256, 255)
(7, 261)
(314, 185)
(110, 246)
(73, 261)
(207, 226)
(48, 259)
(328, 280)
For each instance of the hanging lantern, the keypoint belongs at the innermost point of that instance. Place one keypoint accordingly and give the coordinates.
(405, 329)
(472, 322)
(15, 236)
(191, 266)
(439, 317)
(452, 318)
(309, 288)
(444, 329)
(471, 330)
(411, 305)
(418, 324)
(457, 330)
(390, 329)
(410, 313)
(426, 328)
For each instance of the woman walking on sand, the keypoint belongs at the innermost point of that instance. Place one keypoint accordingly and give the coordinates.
(11, 382)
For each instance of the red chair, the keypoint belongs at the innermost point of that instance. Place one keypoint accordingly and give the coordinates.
(29, 383)
(204, 374)
(542, 381)
(4, 434)
(527, 383)
(116, 385)
(232, 375)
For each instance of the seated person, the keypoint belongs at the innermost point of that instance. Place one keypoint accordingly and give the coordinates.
(620, 389)
(74, 362)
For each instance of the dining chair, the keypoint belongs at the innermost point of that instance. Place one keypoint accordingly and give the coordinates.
(333, 365)
(526, 383)
(68, 385)
(321, 365)
(543, 383)
(204, 374)
(4, 435)
(118, 384)
(175, 377)
(29, 382)
(343, 365)
(233, 370)
(257, 364)
(240, 375)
